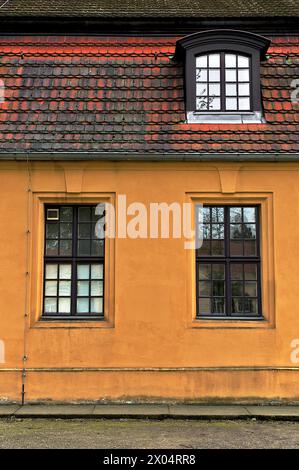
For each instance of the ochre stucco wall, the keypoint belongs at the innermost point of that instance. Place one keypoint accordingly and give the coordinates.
(152, 348)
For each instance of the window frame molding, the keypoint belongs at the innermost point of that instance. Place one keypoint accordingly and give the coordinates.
(35, 298)
(265, 203)
(239, 42)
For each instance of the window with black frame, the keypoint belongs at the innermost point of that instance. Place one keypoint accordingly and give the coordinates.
(73, 262)
(228, 263)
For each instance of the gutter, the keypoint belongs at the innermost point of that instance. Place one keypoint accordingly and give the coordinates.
(150, 157)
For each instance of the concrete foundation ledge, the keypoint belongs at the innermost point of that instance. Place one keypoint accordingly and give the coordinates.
(152, 411)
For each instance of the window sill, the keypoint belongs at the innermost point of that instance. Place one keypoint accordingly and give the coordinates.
(194, 117)
(230, 323)
(67, 323)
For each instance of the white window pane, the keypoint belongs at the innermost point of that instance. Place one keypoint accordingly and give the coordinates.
(96, 271)
(65, 271)
(214, 60)
(97, 305)
(201, 75)
(83, 271)
(231, 104)
(202, 61)
(230, 60)
(64, 288)
(201, 89)
(230, 75)
(96, 288)
(231, 90)
(215, 104)
(244, 103)
(64, 305)
(243, 61)
(51, 288)
(214, 90)
(51, 271)
(243, 75)
(244, 89)
(83, 288)
(82, 305)
(201, 104)
(50, 306)
(214, 75)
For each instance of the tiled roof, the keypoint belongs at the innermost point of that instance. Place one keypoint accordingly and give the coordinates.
(150, 8)
(118, 94)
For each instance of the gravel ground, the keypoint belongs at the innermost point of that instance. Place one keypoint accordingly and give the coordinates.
(130, 434)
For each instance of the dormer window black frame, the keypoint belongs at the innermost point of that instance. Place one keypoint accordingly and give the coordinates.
(224, 61)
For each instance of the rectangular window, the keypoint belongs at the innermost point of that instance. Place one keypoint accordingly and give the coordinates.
(228, 263)
(73, 263)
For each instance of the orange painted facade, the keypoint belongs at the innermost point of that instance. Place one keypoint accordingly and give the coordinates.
(150, 346)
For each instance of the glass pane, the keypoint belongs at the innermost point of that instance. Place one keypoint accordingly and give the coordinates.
(218, 288)
(66, 214)
(205, 249)
(201, 89)
(202, 61)
(83, 271)
(250, 306)
(65, 271)
(250, 289)
(96, 271)
(96, 288)
(65, 248)
(84, 247)
(51, 271)
(84, 231)
(236, 248)
(204, 306)
(64, 288)
(230, 76)
(231, 104)
(214, 90)
(235, 214)
(82, 305)
(204, 271)
(206, 214)
(249, 231)
(230, 60)
(244, 89)
(214, 60)
(214, 104)
(218, 305)
(201, 75)
(249, 214)
(97, 247)
(66, 230)
(237, 305)
(217, 231)
(237, 288)
(96, 305)
(236, 271)
(217, 248)
(204, 288)
(84, 214)
(250, 271)
(51, 288)
(231, 90)
(243, 75)
(83, 288)
(243, 61)
(214, 75)
(244, 104)
(236, 231)
(64, 305)
(217, 214)
(52, 247)
(206, 231)
(52, 230)
(50, 305)
(218, 271)
(201, 104)
(250, 248)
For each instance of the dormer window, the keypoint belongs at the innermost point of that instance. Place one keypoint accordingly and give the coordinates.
(222, 75)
